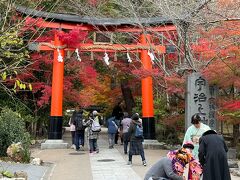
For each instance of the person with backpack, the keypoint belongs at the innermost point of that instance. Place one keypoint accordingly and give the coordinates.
(94, 128)
(136, 138)
(79, 130)
(112, 130)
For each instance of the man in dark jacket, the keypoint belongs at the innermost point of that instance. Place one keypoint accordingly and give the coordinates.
(213, 156)
(118, 114)
(80, 129)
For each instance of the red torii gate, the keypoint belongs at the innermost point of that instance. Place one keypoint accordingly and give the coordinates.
(68, 22)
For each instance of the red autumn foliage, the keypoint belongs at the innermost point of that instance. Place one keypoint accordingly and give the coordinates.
(73, 37)
(143, 73)
(93, 2)
(219, 49)
(89, 76)
(175, 84)
(234, 105)
(46, 94)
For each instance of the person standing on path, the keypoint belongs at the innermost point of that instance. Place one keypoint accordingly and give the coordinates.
(213, 156)
(96, 118)
(194, 132)
(93, 135)
(79, 130)
(118, 114)
(72, 130)
(125, 125)
(112, 130)
(136, 146)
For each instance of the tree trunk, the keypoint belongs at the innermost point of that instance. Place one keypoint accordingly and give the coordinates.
(127, 96)
(236, 134)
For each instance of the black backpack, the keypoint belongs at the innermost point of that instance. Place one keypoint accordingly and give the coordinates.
(79, 122)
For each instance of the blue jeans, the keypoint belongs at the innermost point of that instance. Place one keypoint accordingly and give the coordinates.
(79, 139)
(111, 138)
(93, 145)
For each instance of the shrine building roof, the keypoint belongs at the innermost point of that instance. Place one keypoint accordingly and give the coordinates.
(69, 18)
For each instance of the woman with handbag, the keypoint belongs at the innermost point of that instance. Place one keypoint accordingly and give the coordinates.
(136, 146)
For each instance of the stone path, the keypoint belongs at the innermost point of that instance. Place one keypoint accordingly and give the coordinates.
(110, 165)
(67, 164)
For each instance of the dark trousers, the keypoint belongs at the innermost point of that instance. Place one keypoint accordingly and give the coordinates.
(141, 154)
(79, 138)
(73, 137)
(116, 137)
(125, 142)
(125, 146)
(93, 145)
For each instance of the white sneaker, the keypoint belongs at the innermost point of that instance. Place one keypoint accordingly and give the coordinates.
(73, 147)
(145, 163)
(81, 148)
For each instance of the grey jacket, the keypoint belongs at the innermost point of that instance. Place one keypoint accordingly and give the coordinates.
(162, 170)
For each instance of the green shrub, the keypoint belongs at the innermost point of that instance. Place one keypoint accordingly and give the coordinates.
(167, 134)
(12, 130)
(18, 152)
(66, 119)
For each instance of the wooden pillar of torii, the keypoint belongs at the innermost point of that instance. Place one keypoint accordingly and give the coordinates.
(56, 118)
(147, 92)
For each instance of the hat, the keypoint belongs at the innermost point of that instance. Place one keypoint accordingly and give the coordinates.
(95, 112)
(209, 132)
